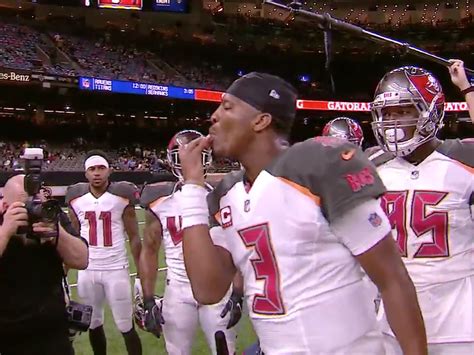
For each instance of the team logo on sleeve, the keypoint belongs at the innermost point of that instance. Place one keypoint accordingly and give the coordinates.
(375, 220)
(226, 217)
(358, 180)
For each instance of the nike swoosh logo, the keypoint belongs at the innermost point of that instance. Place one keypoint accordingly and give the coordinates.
(348, 154)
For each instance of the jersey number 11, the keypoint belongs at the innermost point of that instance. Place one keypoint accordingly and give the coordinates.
(106, 218)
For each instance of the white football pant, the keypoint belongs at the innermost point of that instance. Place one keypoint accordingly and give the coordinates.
(94, 287)
(182, 314)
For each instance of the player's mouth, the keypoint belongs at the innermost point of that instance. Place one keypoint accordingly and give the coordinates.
(213, 136)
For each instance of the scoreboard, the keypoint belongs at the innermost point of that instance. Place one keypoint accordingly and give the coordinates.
(170, 5)
(121, 4)
(177, 6)
(137, 88)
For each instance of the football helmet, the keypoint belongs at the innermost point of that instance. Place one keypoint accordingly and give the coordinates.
(344, 128)
(407, 86)
(172, 152)
(139, 309)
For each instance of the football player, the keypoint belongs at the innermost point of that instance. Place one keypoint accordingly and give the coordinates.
(297, 222)
(429, 198)
(344, 128)
(180, 311)
(104, 212)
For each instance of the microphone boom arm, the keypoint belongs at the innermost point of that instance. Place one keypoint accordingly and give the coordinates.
(326, 21)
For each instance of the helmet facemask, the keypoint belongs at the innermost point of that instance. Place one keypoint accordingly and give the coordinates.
(391, 134)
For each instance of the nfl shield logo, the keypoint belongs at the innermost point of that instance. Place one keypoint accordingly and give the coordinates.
(375, 220)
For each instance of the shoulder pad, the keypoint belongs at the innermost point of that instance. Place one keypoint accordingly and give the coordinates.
(372, 150)
(459, 150)
(126, 190)
(307, 157)
(76, 190)
(378, 156)
(228, 181)
(334, 171)
(155, 191)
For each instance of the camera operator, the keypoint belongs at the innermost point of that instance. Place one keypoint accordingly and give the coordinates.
(33, 317)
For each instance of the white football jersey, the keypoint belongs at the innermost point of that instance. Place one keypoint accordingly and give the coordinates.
(101, 222)
(298, 275)
(162, 199)
(429, 206)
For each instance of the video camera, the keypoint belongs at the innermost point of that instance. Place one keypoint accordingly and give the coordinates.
(38, 211)
(79, 316)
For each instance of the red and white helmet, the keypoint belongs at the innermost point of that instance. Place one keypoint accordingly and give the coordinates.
(138, 307)
(407, 86)
(345, 128)
(179, 139)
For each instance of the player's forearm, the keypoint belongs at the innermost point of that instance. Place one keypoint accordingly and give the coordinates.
(73, 251)
(148, 265)
(136, 249)
(470, 104)
(210, 274)
(404, 316)
(238, 284)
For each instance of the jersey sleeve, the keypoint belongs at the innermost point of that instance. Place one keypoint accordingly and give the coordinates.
(367, 221)
(372, 151)
(126, 190)
(335, 171)
(462, 151)
(76, 191)
(153, 193)
(348, 180)
(216, 231)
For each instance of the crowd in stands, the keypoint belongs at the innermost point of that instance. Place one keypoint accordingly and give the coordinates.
(164, 58)
(71, 158)
(101, 59)
(18, 47)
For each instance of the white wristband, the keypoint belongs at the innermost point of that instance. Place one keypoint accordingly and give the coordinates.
(194, 205)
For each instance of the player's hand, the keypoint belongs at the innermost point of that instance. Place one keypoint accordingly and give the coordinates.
(15, 216)
(190, 156)
(458, 74)
(234, 306)
(153, 317)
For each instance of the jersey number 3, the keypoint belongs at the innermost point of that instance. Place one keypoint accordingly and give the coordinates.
(106, 218)
(395, 206)
(266, 268)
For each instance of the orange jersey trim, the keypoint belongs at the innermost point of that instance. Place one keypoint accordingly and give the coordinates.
(302, 189)
(466, 167)
(217, 216)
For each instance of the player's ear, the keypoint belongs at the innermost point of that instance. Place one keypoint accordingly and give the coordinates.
(3, 206)
(262, 121)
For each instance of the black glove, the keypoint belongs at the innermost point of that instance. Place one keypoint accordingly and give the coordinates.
(234, 306)
(153, 317)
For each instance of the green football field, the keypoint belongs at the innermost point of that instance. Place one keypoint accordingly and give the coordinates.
(151, 345)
